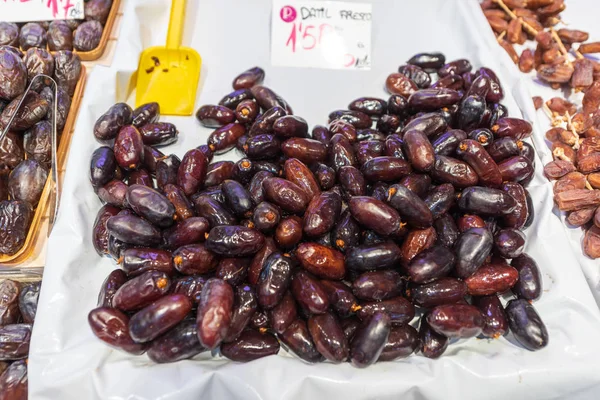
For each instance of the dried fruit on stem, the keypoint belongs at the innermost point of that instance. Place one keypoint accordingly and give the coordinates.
(589, 48)
(558, 168)
(573, 200)
(555, 73)
(591, 242)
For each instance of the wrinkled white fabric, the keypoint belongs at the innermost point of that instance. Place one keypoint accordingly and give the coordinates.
(68, 362)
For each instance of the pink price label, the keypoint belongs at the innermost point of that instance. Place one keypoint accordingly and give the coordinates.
(288, 13)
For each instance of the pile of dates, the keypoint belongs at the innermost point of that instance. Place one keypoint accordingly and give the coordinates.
(575, 141)
(69, 34)
(560, 57)
(18, 305)
(26, 150)
(327, 242)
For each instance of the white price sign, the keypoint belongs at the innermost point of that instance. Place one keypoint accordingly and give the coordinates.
(40, 10)
(321, 34)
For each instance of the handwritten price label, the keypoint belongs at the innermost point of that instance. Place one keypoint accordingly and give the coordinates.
(321, 34)
(40, 10)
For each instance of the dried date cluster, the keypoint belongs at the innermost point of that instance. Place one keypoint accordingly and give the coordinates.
(327, 242)
(574, 133)
(559, 56)
(18, 305)
(80, 35)
(26, 150)
(575, 139)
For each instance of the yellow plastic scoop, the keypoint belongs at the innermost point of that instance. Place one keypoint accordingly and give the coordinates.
(169, 75)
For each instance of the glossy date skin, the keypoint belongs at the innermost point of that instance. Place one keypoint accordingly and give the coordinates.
(110, 123)
(433, 344)
(141, 291)
(322, 214)
(309, 293)
(159, 317)
(369, 340)
(419, 150)
(133, 230)
(274, 279)
(225, 138)
(472, 248)
(214, 312)
(111, 284)
(297, 338)
(289, 232)
(369, 105)
(114, 193)
(477, 157)
(15, 218)
(352, 181)
(234, 241)
(145, 114)
(298, 173)
(9, 302)
(28, 301)
(496, 323)
(151, 205)
(285, 194)
(456, 320)
(136, 261)
(369, 257)
(487, 201)
(386, 168)
(99, 231)
(14, 381)
(378, 285)
(180, 343)
(529, 285)
(129, 148)
(441, 291)
(490, 279)
(374, 214)
(446, 230)
(26, 182)
(509, 243)
(212, 116)
(102, 166)
(447, 143)
(454, 171)
(402, 342)
(182, 207)
(251, 345)
(283, 314)
(416, 241)
(158, 133)
(431, 264)
(166, 171)
(526, 325)
(410, 207)
(440, 199)
(215, 212)
(430, 124)
(111, 326)
(518, 217)
(191, 171)
(400, 310)
(328, 337)
(249, 78)
(194, 259)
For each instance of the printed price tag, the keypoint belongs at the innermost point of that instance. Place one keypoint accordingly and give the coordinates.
(321, 34)
(40, 10)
